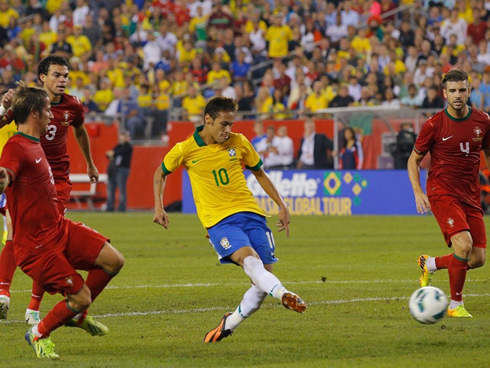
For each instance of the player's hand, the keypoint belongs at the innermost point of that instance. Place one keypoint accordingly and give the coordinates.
(4, 179)
(7, 98)
(422, 202)
(160, 217)
(283, 222)
(93, 174)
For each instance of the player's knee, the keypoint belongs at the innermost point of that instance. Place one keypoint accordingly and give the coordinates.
(476, 263)
(81, 300)
(117, 262)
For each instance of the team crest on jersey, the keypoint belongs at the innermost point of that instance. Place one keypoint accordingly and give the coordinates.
(478, 132)
(66, 116)
(450, 222)
(231, 152)
(69, 281)
(225, 243)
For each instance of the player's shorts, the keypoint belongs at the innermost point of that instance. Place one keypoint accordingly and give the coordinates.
(63, 191)
(56, 271)
(241, 230)
(454, 217)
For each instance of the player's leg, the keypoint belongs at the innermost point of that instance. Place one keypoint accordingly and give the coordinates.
(32, 312)
(63, 312)
(451, 217)
(8, 265)
(101, 260)
(458, 265)
(479, 236)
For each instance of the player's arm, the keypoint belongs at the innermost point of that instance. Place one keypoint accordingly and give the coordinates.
(266, 183)
(4, 180)
(5, 106)
(84, 143)
(413, 166)
(160, 217)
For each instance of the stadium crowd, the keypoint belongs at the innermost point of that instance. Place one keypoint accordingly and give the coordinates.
(278, 58)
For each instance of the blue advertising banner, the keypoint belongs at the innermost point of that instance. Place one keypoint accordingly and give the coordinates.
(337, 193)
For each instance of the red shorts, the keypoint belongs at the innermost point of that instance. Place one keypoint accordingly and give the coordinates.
(63, 190)
(55, 270)
(454, 217)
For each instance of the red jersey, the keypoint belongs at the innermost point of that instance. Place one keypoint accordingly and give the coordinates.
(455, 146)
(33, 205)
(68, 112)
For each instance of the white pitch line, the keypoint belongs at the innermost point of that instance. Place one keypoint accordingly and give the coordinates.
(198, 285)
(210, 309)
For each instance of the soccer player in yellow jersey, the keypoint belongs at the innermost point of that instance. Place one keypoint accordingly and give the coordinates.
(214, 158)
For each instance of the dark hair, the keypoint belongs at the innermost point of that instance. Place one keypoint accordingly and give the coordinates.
(217, 105)
(352, 132)
(45, 63)
(26, 100)
(455, 75)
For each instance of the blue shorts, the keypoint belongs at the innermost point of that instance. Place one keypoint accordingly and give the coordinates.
(241, 230)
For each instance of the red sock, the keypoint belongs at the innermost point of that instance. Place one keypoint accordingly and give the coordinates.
(97, 280)
(36, 297)
(443, 262)
(457, 275)
(7, 267)
(56, 317)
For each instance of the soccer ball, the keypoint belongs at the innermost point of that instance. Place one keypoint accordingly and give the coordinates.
(428, 304)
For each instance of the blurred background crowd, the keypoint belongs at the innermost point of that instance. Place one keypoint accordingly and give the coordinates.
(154, 60)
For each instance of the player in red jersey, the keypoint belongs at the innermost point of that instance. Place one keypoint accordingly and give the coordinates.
(454, 137)
(47, 246)
(68, 111)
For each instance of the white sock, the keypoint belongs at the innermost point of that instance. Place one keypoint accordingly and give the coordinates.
(455, 304)
(35, 331)
(78, 316)
(262, 278)
(431, 264)
(251, 302)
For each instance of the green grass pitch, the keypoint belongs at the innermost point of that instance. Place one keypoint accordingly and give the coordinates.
(355, 273)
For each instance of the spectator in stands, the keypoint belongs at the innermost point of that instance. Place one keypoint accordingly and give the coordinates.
(476, 97)
(413, 98)
(104, 94)
(239, 68)
(351, 154)
(268, 149)
(118, 172)
(336, 31)
(220, 18)
(259, 134)
(285, 148)
(216, 73)
(92, 31)
(390, 98)
(455, 26)
(90, 108)
(278, 36)
(343, 99)
(62, 47)
(485, 89)
(80, 44)
(316, 100)
(193, 104)
(263, 102)
(477, 28)
(315, 150)
(433, 100)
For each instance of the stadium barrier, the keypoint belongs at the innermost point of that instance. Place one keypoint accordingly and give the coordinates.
(336, 193)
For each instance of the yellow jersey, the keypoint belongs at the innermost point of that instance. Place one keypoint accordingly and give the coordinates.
(278, 38)
(6, 133)
(194, 106)
(315, 103)
(216, 174)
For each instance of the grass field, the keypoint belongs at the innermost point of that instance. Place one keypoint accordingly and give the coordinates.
(172, 290)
